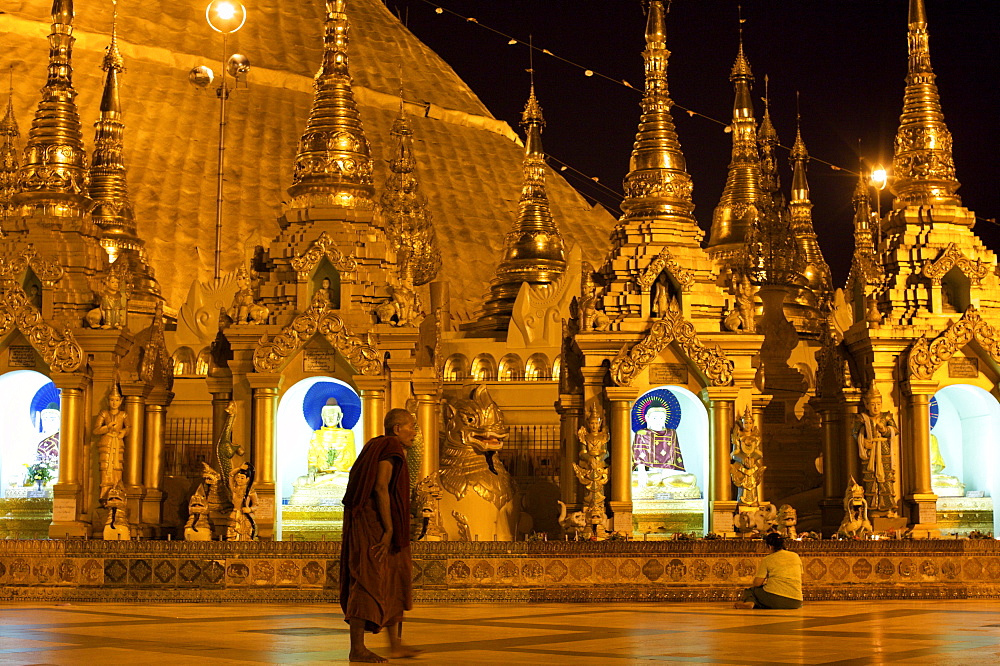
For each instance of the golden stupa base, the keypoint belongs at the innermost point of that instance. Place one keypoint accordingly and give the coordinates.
(662, 518)
(311, 523)
(25, 517)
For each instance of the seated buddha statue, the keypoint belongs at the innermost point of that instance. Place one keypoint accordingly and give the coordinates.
(656, 453)
(331, 449)
(942, 484)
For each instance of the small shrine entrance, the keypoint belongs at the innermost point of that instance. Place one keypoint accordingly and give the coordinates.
(319, 434)
(670, 444)
(29, 453)
(965, 458)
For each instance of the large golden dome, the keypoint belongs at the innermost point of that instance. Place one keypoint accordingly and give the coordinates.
(469, 163)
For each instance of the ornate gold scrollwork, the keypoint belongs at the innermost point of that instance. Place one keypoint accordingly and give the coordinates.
(671, 328)
(924, 358)
(323, 247)
(665, 260)
(48, 272)
(974, 269)
(270, 354)
(61, 352)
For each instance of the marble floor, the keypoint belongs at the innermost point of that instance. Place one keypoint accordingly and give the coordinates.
(904, 632)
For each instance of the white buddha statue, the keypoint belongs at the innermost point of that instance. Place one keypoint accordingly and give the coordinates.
(656, 452)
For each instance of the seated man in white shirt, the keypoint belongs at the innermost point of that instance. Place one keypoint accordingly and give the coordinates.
(778, 583)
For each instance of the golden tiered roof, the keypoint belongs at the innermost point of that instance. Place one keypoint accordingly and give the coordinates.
(470, 163)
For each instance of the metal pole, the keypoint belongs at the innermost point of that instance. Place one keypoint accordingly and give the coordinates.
(223, 92)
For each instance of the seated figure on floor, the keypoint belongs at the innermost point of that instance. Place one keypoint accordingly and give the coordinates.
(656, 453)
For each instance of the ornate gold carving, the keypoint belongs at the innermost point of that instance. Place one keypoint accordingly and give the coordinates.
(924, 357)
(269, 355)
(323, 247)
(974, 269)
(672, 328)
(665, 260)
(61, 352)
(11, 269)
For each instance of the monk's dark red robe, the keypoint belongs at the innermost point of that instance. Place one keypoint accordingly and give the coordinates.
(377, 592)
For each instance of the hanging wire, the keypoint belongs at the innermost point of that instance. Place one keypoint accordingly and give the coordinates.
(512, 40)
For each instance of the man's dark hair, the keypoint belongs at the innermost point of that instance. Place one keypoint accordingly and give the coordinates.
(775, 540)
(396, 417)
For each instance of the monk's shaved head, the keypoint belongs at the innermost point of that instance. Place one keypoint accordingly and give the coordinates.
(396, 417)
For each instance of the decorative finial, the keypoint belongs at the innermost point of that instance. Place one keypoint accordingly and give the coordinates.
(657, 183)
(9, 151)
(923, 164)
(56, 130)
(333, 164)
(534, 251)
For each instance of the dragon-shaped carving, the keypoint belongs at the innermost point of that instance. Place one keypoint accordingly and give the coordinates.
(474, 483)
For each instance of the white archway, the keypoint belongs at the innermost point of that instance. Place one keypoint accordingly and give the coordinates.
(966, 431)
(22, 431)
(294, 434)
(663, 508)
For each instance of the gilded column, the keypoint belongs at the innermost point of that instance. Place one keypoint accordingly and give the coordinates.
(721, 402)
(67, 493)
(428, 393)
(372, 391)
(570, 408)
(834, 478)
(621, 398)
(920, 495)
(135, 410)
(852, 462)
(760, 403)
(263, 452)
(155, 450)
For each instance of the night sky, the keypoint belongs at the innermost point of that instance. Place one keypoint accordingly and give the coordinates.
(846, 57)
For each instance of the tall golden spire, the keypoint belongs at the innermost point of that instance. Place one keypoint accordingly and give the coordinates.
(657, 182)
(108, 188)
(738, 206)
(53, 177)
(333, 165)
(533, 249)
(865, 267)
(923, 167)
(767, 140)
(816, 270)
(9, 139)
(408, 225)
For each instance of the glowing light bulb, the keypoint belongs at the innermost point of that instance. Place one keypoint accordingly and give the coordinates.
(225, 11)
(879, 177)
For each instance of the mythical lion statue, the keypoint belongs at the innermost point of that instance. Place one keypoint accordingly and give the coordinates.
(855, 523)
(479, 498)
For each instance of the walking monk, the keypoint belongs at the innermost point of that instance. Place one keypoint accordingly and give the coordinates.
(375, 567)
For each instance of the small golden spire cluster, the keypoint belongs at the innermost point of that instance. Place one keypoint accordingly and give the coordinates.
(54, 175)
(408, 225)
(533, 250)
(658, 182)
(333, 165)
(865, 266)
(816, 270)
(9, 148)
(737, 207)
(112, 212)
(923, 167)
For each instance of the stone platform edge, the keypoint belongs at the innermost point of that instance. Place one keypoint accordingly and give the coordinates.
(633, 571)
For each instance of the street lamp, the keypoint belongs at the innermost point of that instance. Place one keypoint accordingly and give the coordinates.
(879, 179)
(226, 17)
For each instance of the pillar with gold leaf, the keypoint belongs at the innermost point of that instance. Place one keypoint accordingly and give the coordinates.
(721, 401)
(264, 434)
(918, 495)
(427, 389)
(154, 436)
(621, 398)
(372, 390)
(67, 503)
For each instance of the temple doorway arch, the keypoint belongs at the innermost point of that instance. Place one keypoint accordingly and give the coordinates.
(965, 458)
(319, 434)
(670, 445)
(29, 453)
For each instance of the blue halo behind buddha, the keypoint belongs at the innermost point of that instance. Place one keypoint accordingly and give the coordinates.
(935, 410)
(656, 398)
(46, 397)
(318, 395)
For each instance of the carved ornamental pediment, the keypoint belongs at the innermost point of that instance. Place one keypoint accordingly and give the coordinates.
(671, 328)
(271, 354)
(61, 351)
(925, 357)
(21, 260)
(665, 260)
(323, 246)
(974, 269)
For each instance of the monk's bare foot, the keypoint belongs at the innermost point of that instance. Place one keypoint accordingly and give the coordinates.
(404, 652)
(366, 656)
(743, 605)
